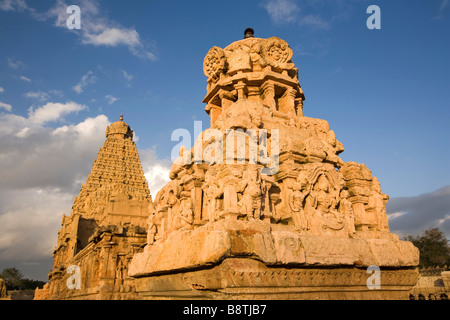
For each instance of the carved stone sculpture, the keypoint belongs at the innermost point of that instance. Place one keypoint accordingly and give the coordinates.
(281, 215)
(3, 292)
(346, 211)
(267, 211)
(107, 226)
(297, 203)
(251, 194)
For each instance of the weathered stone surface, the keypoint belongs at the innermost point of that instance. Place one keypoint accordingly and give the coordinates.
(261, 207)
(433, 284)
(107, 225)
(240, 278)
(269, 189)
(3, 293)
(446, 278)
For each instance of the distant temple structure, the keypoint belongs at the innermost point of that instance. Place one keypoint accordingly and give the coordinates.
(107, 225)
(262, 207)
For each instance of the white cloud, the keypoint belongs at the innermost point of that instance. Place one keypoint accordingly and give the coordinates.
(2, 90)
(113, 37)
(15, 64)
(42, 96)
(25, 79)
(443, 220)
(88, 78)
(111, 99)
(23, 133)
(39, 95)
(395, 215)
(56, 93)
(29, 222)
(413, 215)
(98, 30)
(13, 5)
(53, 111)
(313, 21)
(95, 29)
(5, 106)
(156, 170)
(445, 4)
(282, 11)
(41, 172)
(287, 11)
(127, 76)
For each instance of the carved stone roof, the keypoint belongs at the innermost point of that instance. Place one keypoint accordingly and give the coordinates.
(120, 129)
(116, 173)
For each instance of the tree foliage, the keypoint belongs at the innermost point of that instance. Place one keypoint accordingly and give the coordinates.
(15, 280)
(433, 246)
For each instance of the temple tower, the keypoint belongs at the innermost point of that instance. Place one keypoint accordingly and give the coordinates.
(106, 227)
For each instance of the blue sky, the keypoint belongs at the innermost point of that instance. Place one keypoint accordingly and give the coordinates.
(385, 93)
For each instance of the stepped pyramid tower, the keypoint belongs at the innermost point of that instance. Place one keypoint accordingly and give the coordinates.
(106, 227)
(263, 207)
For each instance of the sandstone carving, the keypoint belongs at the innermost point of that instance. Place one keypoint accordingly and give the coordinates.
(107, 226)
(312, 210)
(3, 292)
(268, 210)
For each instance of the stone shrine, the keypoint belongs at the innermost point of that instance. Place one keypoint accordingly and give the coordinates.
(107, 225)
(3, 292)
(262, 206)
(237, 223)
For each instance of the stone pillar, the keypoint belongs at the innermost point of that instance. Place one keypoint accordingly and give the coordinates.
(226, 99)
(299, 106)
(214, 112)
(360, 213)
(230, 180)
(287, 102)
(254, 94)
(268, 88)
(230, 202)
(197, 198)
(241, 88)
(107, 266)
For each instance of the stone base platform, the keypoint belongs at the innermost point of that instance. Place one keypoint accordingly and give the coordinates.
(255, 260)
(244, 278)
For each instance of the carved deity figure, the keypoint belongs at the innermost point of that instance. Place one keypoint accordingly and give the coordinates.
(296, 203)
(187, 215)
(346, 210)
(274, 198)
(332, 148)
(324, 201)
(3, 292)
(151, 230)
(377, 206)
(321, 194)
(212, 192)
(172, 204)
(120, 270)
(250, 187)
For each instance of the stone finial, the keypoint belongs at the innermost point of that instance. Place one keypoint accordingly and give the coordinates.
(248, 33)
(121, 117)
